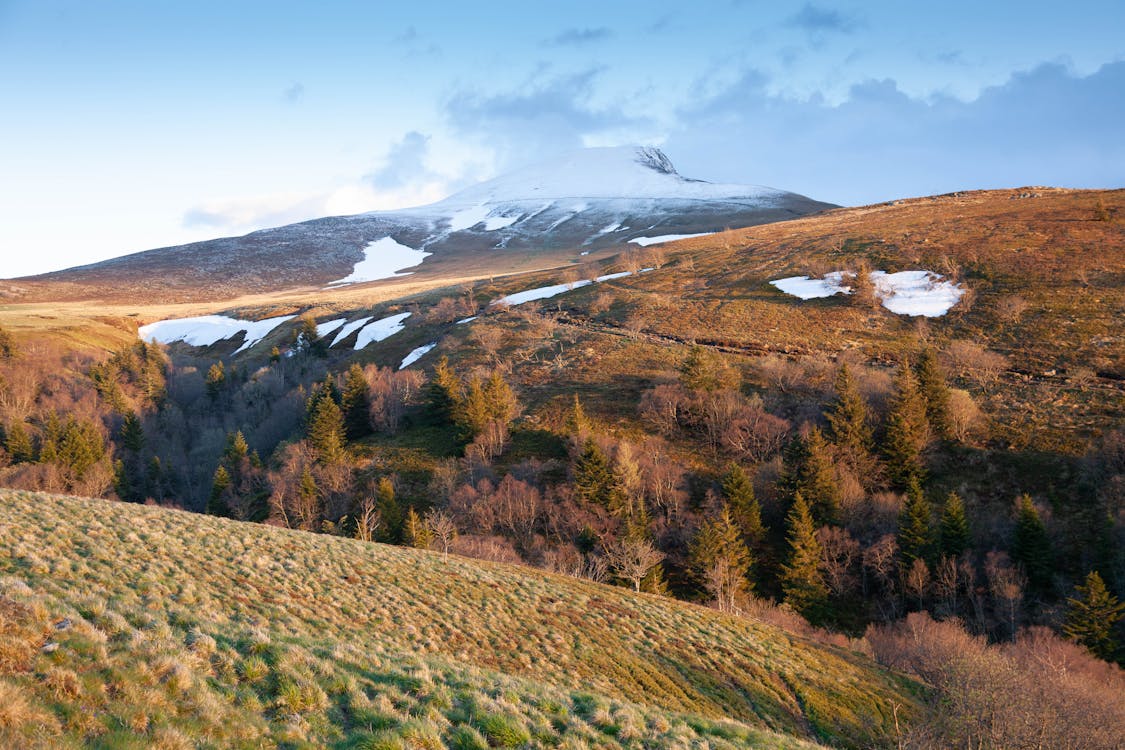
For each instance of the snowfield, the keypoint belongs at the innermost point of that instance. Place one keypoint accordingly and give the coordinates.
(380, 329)
(383, 259)
(206, 330)
(349, 329)
(328, 326)
(916, 293)
(416, 355)
(646, 241)
(546, 292)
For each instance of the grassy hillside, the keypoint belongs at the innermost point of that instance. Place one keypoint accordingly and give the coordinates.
(179, 628)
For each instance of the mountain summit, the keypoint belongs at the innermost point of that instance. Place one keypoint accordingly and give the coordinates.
(586, 202)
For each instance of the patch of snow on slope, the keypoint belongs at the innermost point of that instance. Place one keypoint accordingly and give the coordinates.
(206, 330)
(383, 259)
(546, 292)
(380, 329)
(463, 321)
(806, 288)
(646, 241)
(328, 326)
(904, 293)
(416, 355)
(492, 223)
(469, 217)
(349, 329)
(916, 293)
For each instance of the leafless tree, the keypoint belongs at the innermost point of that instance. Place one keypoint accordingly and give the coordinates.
(839, 554)
(442, 527)
(632, 559)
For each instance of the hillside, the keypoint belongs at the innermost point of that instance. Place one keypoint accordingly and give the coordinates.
(130, 626)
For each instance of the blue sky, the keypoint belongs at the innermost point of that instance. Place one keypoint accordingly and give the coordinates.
(131, 125)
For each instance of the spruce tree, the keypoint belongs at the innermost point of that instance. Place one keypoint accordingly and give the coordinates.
(236, 448)
(593, 476)
(1031, 546)
(915, 530)
(216, 502)
(444, 390)
(935, 391)
(499, 398)
(308, 492)
(355, 402)
(577, 423)
(17, 442)
(216, 377)
(810, 470)
(132, 433)
(847, 423)
(801, 580)
(720, 560)
(907, 431)
(415, 533)
(389, 509)
(326, 431)
(471, 414)
(954, 537)
(744, 507)
(1091, 617)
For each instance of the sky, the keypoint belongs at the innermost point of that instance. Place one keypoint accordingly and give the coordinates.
(128, 125)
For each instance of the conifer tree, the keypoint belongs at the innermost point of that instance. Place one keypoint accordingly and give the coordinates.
(1031, 546)
(915, 530)
(907, 431)
(471, 415)
(593, 476)
(18, 443)
(355, 402)
(309, 494)
(132, 433)
(444, 390)
(388, 507)
(720, 560)
(847, 422)
(415, 532)
(577, 423)
(744, 507)
(1092, 615)
(954, 536)
(703, 370)
(809, 469)
(499, 399)
(216, 502)
(935, 391)
(801, 580)
(216, 378)
(326, 431)
(236, 448)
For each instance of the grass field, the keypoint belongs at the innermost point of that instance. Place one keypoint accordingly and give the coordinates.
(180, 630)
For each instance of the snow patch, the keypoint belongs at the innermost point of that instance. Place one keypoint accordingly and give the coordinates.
(463, 321)
(492, 223)
(383, 259)
(921, 293)
(546, 292)
(328, 326)
(349, 329)
(646, 241)
(416, 355)
(469, 217)
(380, 329)
(206, 330)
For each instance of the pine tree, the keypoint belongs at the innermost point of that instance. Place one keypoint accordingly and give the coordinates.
(326, 431)
(471, 415)
(720, 560)
(801, 579)
(307, 339)
(309, 493)
(809, 469)
(499, 398)
(935, 391)
(702, 370)
(17, 442)
(744, 507)
(216, 502)
(593, 476)
(216, 377)
(847, 422)
(954, 537)
(388, 507)
(1031, 546)
(356, 404)
(236, 448)
(915, 530)
(415, 533)
(132, 433)
(444, 390)
(577, 423)
(907, 431)
(1091, 617)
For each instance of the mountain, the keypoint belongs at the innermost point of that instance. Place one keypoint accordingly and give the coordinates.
(544, 215)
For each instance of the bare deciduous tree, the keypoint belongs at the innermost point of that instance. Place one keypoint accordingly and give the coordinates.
(632, 559)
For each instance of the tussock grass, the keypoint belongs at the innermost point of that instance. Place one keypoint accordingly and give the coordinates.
(185, 626)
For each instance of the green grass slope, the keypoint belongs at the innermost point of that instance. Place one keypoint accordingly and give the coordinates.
(132, 626)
